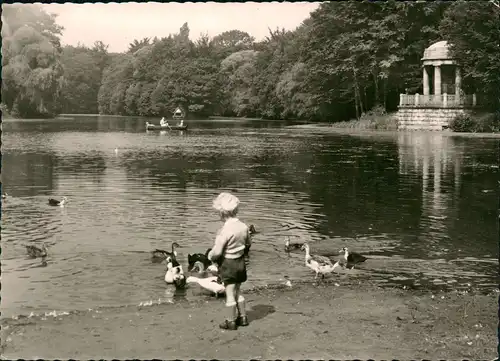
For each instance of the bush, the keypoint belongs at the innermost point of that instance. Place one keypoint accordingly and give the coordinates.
(376, 118)
(475, 123)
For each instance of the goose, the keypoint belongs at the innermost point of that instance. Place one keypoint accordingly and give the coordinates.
(210, 283)
(289, 246)
(199, 258)
(159, 255)
(319, 264)
(174, 273)
(36, 251)
(352, 258)
(55, 202)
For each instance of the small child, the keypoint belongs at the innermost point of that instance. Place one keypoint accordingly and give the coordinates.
(228, 252)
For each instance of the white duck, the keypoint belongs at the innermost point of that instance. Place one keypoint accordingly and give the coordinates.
(174, 272)
(209, 283)
(319, 264)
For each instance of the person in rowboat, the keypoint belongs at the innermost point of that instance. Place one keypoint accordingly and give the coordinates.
(163, 122)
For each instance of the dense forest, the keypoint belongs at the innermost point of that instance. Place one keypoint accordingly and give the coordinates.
(345, 59)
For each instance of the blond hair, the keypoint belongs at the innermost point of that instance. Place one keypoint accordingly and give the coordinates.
(227, 204)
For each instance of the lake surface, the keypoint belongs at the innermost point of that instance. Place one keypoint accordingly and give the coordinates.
(421, 206)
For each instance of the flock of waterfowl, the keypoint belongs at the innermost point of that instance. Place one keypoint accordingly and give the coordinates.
(200, 264)
(323, 265)
(35, 251)
(197, 263)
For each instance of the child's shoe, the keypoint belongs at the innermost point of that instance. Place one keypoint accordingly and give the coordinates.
(242, 321)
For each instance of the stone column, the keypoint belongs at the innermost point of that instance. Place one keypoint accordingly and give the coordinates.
(426, 81)
(458, 81)
(437, 79)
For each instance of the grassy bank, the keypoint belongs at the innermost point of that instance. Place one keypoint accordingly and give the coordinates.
(375, 119)
(306, 321)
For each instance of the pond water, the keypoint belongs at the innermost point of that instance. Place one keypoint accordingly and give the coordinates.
(421, 206)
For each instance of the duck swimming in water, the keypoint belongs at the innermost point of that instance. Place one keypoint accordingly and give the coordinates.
(36, 251)
(174, 273)
(291, 246)
(319, 264)
(200, 259)
(5, 195)
(251, 229)
(55, 202)
(159, 255)
(352, 258)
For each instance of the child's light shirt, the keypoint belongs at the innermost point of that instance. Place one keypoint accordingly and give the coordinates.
(234, 236)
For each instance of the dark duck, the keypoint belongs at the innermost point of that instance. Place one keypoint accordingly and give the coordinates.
(352, 258)
(160, 255)
(292, 246)
(251, 232)
(38, 252)
(55, 202)
(199, 261)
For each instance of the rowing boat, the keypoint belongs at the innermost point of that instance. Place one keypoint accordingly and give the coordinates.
(165, 127)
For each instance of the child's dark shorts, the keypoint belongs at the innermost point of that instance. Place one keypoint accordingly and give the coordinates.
(233, 271)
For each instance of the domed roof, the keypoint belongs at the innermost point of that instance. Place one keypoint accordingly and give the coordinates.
(437, 51)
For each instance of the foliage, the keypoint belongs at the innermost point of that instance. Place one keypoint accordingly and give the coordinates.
(375, 119)
(473, 30)
(347, 60)
(475, 123)
(83, 69)
(31, 67)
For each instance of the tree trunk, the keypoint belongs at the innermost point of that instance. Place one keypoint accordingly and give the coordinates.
(375, 80)
(366, 100)
(356, 106)
(385, 94)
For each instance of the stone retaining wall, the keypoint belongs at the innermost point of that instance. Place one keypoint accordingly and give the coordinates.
(416, 118)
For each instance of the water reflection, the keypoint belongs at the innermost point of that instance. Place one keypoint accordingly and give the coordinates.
(439, 163)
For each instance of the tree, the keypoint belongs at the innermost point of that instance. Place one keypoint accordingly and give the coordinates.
(31, 68)
(473, 31)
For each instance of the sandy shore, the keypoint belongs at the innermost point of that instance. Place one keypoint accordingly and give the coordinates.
(305, 321)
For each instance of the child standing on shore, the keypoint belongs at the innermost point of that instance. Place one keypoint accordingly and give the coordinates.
(228, 252)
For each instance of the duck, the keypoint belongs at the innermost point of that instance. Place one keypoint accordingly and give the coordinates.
(319, 264)
(55, 202)
(36, 251)
(160, 255)
(212, 284)
(352, 258)
(290, 246)
(5, 195)
(200, 259)
(251, 229)
(174, 273)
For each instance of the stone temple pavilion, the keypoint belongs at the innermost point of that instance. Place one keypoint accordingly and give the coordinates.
(442, 99)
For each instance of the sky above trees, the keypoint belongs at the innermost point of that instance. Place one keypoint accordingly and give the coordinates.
(119, 24)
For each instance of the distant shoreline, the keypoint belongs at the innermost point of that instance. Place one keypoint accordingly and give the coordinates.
(329, 128)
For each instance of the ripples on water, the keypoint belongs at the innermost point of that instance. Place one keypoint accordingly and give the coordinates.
(421, 206)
